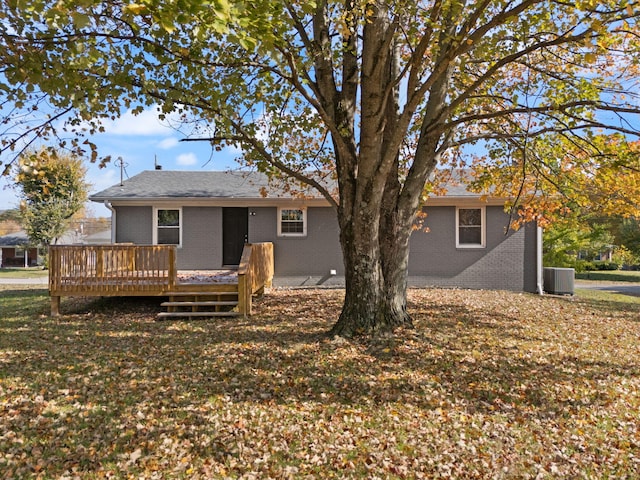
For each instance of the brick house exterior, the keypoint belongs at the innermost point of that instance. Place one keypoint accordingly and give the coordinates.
(464, 241)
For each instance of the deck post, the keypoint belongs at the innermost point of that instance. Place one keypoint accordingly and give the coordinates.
(55, 306)
(241, 296)
(268, 282)
(99, 262)
(249, 293)
(173, 270)
(244, 295)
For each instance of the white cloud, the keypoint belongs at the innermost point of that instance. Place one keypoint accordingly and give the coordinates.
(144, 124)
(234, 150)
(168, 143)
(101, 179)
(186, 159)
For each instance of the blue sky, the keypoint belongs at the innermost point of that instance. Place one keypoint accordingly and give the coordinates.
(139, 140)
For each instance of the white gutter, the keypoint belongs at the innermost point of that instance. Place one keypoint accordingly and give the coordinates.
(113, 220)
(539, 264)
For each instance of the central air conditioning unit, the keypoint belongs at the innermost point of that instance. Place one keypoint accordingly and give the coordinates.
(559, 281)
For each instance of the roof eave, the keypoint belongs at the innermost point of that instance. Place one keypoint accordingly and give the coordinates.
(465, 200)
(211, 201)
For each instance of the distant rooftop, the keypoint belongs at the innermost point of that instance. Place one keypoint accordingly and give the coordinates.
(14, 239)
(21, 238)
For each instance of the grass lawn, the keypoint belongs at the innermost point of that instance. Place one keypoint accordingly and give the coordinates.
(605, 298)
(35, 272)
(610, 276)
(488, 385)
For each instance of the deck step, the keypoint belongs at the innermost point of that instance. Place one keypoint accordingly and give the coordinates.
(197, 314)
(208, 303)
(192, 302)
(200, 294)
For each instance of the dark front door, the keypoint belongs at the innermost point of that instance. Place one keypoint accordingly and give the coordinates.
(235, 233)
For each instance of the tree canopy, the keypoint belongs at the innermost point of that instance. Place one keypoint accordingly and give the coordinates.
(538, 96)
(52, 188)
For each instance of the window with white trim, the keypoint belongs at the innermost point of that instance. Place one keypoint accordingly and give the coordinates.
(470, 227)
(168, 226)
(292, 222)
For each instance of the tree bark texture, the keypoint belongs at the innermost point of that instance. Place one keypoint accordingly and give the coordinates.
(378, 196)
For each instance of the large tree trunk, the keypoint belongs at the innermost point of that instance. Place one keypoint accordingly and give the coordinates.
(363, 273)
(368, 307)
(375, 282)
(363, 295)
(376, 211)
(376, 250)
(374, 244)
(395, 284)
(394, 253)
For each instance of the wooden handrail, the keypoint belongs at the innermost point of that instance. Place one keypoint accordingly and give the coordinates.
(255, 272)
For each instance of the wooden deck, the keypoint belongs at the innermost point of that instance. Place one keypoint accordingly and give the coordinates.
(150, 270)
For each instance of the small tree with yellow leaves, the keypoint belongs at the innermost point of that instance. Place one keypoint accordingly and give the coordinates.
(52, 189)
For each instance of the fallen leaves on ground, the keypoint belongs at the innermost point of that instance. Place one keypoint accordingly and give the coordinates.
(487, 385)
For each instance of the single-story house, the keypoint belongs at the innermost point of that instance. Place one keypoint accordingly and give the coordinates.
(16, 252)
(210, 216)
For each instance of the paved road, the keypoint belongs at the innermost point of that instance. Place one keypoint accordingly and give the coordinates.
(627, 288)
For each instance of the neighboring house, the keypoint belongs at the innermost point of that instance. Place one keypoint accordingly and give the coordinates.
(210, 215)
(605, 254)
(15, 251)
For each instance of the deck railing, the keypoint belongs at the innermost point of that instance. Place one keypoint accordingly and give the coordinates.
(255, 272)
(110, 270)
(148, 270)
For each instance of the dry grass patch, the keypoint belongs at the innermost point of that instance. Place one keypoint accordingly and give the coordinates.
(487, 385)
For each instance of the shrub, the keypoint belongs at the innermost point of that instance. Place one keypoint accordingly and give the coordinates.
(606, 266)
(585, 266)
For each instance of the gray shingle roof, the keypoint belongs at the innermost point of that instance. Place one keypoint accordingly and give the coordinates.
(238, 184)
(20, 238)
(152, 184)
(14, 239)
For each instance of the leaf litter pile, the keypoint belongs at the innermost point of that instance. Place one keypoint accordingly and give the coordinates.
(487, 385)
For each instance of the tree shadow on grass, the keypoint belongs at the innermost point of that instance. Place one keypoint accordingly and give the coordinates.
(484, 360)
(111, 367)
(15, 301)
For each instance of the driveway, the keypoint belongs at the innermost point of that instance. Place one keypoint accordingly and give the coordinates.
(624, 288)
